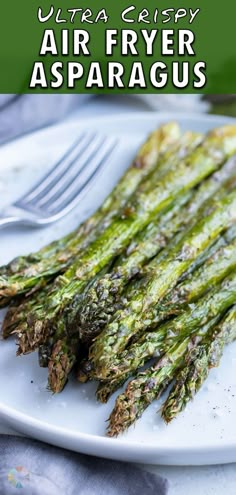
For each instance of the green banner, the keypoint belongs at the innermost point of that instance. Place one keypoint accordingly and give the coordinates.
(118, 47)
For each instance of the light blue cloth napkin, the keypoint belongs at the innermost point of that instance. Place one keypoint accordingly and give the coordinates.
(20, 114)
(29, 467)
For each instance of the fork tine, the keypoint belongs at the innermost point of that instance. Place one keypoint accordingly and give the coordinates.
(79, 186)
(54, 172)
(71, 173)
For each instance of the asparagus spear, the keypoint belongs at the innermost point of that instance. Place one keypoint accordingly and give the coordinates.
(27, 272)
(213, 270)
(17, 317)
(102, 300)
(152, 344)
(197, 365)
(144, 206)
(139, 311)
(149, 384)
(62, 360)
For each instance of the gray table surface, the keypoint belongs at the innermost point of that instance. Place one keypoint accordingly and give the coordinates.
(205, 480)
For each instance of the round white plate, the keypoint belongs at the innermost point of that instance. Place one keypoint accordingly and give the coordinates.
(205, 433)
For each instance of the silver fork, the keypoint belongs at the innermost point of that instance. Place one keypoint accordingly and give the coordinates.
(62, 187)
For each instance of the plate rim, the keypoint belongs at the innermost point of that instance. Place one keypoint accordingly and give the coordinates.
(146, 115)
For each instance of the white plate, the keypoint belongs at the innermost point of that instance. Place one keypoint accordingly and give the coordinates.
(205, 433)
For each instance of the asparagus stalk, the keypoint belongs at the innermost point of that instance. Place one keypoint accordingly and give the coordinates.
(197, 365)
(62, 360)
(27, 272)
(102, 300)
(143, 207)
(151, 344)
(15, 316)
(139, 311)
(149, 384)
(18, 314)
(208, 275)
